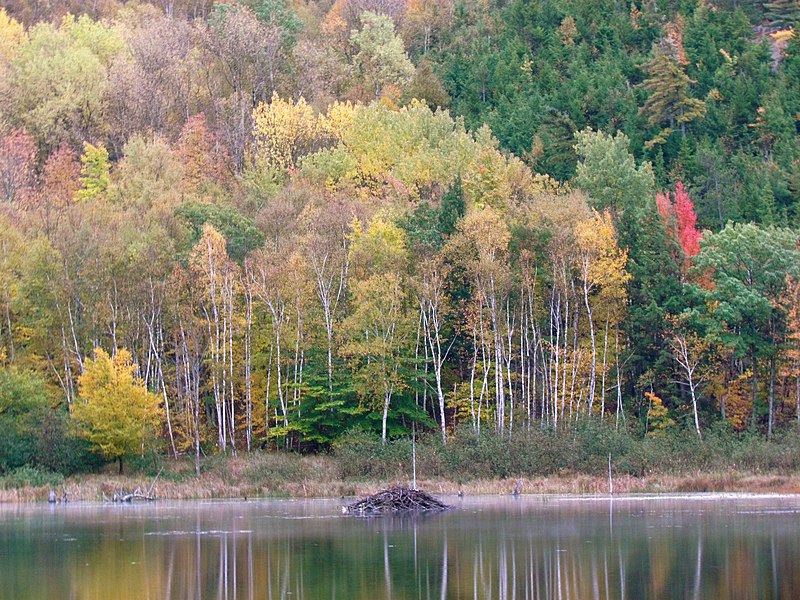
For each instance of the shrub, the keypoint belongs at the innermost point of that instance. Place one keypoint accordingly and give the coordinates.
(361, 454)
(23, 403)
(274, 467)
(27, 476)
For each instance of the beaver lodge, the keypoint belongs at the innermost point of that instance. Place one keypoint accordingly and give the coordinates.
(396, 500)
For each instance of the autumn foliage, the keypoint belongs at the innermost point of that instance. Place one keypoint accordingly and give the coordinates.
(17, 164)
(115, 411)
(283, 221)
(680, 220)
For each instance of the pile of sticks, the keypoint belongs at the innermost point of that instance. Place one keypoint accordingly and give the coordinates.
(393, 500)
(137, 494)
(123, 496)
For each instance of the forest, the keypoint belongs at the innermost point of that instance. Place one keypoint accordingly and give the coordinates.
(282, 224)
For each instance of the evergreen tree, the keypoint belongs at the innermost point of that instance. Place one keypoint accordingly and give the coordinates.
(556, 153)
(654, 290)
(428, 227)
(453, 208)
(782, 13)
(669, 101)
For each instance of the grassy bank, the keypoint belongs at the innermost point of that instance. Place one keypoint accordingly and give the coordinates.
(216, 485)
(565, 463)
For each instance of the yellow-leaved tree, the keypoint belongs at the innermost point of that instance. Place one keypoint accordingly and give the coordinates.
(604, 279)
(12, 36)
(116, 414)
(283, 131)
(658, 419)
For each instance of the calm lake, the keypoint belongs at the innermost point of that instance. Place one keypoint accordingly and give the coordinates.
(497, 547)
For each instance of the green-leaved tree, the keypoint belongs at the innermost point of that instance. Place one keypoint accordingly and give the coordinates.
(608, 172)
(748, 267)
(380, 55)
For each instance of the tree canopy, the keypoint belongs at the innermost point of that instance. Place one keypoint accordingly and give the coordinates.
(227, 226)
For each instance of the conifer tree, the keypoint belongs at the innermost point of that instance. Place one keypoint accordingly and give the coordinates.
(669, 101)
(782, 13)
(453, 207)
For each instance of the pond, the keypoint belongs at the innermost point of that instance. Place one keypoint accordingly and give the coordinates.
(488, 547)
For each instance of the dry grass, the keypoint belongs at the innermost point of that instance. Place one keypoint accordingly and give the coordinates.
(276, 475)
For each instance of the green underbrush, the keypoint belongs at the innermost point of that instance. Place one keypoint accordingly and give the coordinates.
(572, 461)
(583, 450)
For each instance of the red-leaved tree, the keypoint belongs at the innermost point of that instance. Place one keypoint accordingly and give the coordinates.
(202, 154)
(680, 220)
(58, 183)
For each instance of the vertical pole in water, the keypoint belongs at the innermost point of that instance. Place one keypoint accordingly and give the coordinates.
(414, 455)
(610, 481)
(387, 573)
(197, 552)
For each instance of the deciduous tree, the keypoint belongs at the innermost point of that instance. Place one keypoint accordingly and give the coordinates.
(283, 131)
(604, 279)
(17, 164)
(57, 82)
(608, 172)
(95, 173)
(58, 186)
(379, 54)
(380, 324)
(115, 412)
(747, 267)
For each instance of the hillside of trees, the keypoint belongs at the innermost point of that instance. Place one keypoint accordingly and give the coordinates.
(277, 224)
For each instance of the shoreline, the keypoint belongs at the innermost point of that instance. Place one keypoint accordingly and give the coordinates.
(92, 488)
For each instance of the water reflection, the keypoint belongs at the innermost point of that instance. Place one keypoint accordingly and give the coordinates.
(504, 549)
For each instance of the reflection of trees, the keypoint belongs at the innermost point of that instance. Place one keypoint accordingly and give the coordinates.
(562, 551)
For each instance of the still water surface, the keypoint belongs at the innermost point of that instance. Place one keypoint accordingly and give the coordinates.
(489, 548)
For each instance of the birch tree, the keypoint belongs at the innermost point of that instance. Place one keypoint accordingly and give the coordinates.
(380, 325)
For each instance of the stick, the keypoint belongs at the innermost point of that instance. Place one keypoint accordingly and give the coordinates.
(150, 489)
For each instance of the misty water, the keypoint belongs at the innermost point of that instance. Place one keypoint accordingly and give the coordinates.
(497, 547)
